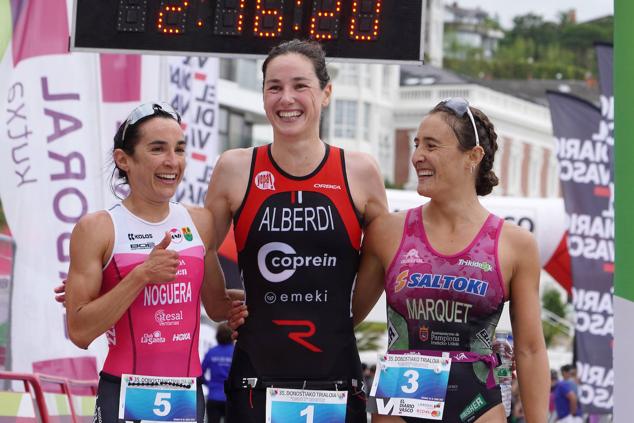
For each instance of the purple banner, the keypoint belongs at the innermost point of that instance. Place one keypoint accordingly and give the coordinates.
(584, 153)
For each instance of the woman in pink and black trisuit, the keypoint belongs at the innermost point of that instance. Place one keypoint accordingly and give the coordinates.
(449, 266)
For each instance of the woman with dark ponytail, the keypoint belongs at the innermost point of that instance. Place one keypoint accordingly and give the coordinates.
(447, 268)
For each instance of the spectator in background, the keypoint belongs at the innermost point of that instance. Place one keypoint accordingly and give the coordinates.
(218, 361)
(371, 375)
(368, 376)
(554, 380)
(566, 397)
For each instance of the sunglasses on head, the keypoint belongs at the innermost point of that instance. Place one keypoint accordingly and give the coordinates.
(460, 106)
(146, 110)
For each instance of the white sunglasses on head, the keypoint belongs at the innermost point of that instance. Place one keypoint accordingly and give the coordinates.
(460, 106)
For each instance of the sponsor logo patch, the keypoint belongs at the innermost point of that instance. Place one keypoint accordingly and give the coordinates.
(411, 257)
(299, 336)
(453, 283)
(168, 319)
(474, 406)
(142, 246)
(185, 336)
(479, 264)
(278, 261)
(177, 236)
(152, 338)
(316, 296)
(134, 237)
(265, 180)
(187, 233)
(327, 186)
(392, 334)
(111, 336)
(423, 333)
(483, 336)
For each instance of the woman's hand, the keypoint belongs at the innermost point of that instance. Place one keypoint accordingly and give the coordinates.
(162, 264)
(237, 315)
(60, 293)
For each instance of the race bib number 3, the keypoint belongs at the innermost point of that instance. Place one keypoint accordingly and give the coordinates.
(410, 385)
(169, 399)
(305, 406)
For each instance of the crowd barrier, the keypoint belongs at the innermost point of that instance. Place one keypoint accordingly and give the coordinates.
(46, 399)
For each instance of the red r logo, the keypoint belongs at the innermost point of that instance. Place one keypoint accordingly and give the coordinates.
(299, 336)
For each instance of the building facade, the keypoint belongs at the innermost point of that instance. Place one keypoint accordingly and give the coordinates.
(470, 28)
(525, 162)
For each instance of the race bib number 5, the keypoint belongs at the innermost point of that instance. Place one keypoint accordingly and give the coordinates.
(410, 385)
(168, 399)
(305, 406)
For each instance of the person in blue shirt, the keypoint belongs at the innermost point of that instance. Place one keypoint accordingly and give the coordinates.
(566, 396)
(216, 365)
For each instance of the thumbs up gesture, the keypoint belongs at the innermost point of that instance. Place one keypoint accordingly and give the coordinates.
(162, 264)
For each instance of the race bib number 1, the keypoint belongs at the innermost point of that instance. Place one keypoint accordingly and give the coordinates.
(305, 406)
(410, 385)
(166, 399)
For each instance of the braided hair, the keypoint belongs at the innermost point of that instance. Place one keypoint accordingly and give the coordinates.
(462, 127)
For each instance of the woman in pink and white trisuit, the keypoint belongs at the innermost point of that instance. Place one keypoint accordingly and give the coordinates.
(139, 271)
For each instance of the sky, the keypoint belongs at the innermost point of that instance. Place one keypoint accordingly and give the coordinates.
(507, 9)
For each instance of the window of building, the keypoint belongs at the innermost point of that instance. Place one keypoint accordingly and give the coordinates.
(386, 157)
(345, 119)
(386, 82)
(247, 68)
(497, 162)
(515, 169)
(534, 172)
(227, 69)
(367, 75)
(554, 184)
(348, 74)
(223, 128)
(367, 120)
(233, 130)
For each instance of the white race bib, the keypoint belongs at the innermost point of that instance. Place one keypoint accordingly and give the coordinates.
(410, 385)
(305, 406)
(166, 399)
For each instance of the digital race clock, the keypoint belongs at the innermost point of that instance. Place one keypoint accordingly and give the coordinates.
(373, 30)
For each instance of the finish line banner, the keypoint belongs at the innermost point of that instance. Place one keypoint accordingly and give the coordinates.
(585, 142)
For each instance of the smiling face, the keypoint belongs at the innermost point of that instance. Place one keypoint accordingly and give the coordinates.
(293, 98)
(157, 165)
(439, 163)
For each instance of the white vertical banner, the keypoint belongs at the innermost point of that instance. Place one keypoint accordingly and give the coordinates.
(50, 177)
(192, 91)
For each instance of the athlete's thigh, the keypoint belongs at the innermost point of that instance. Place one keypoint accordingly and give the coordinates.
(494, 415)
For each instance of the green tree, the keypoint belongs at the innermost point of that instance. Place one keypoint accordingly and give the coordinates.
(369, 334)
(535, 49)
(551, 301)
